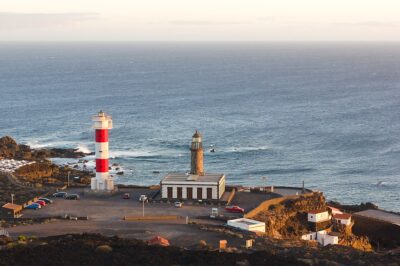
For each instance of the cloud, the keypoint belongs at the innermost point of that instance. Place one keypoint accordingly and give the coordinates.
(203, 22)
(12, 21)
(379, 24)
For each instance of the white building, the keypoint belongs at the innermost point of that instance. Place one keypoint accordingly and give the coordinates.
(343, 218)
(323, 237)
(318, 216)
(247, 224)
(188, 186)
(334, 210)
(196, 185)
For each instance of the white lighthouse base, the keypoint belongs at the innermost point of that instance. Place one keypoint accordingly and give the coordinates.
(106, 184)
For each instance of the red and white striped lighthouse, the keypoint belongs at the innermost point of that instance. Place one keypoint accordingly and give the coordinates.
(102, 181)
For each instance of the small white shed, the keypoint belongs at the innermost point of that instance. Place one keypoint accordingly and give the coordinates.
(343, 218)
(247, 224)
(317, 216)
(323, 237)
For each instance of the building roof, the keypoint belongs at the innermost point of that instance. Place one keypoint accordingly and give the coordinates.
(11, 206)
(334, 210)
(316, 211)
(342, 216)
(183, 178)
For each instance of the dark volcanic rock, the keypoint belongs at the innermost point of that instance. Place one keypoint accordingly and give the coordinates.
(90, 249)
(10, 149)
(353, 208)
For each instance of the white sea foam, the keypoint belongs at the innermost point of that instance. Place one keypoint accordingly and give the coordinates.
(83, 148)
(241, 149)
(39, 144)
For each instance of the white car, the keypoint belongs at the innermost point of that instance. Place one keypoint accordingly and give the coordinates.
(178, 204)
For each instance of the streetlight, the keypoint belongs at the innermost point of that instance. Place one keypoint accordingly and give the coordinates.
(12, 198)
(68, 178)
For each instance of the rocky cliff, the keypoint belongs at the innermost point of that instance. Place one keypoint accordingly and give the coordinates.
(288, 219)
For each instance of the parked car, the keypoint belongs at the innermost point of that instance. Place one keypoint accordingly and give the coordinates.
(126, 196)
(236, 209)
(61, 194)
(34, 206)
(41, 202)
(142, 198)
(178, 204)
(72, 197)
(48, 201)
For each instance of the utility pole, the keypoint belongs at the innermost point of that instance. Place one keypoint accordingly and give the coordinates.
(12, 198)
(68, 178)
(143, 208)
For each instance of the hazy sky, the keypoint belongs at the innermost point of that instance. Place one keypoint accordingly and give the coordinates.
(200, 20)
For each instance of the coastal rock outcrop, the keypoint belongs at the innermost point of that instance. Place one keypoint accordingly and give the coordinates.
(47, 173)
(10, 149)
(288, 219)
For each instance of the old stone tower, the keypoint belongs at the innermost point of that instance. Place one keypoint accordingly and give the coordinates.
(197, 155)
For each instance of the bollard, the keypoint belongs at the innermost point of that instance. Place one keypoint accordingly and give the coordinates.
(222, 244)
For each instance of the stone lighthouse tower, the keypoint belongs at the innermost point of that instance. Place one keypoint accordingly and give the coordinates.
(196, 150)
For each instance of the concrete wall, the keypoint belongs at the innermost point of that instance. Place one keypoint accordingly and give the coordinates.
(221, 187)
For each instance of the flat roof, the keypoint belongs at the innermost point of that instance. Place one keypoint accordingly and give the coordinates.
(12, 206)
(389, 217)
(246, 221)
(188, 178)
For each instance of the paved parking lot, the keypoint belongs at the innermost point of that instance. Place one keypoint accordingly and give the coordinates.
(106, 214)
(106, 208)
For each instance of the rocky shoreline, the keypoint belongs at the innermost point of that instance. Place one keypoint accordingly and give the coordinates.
(10, 149)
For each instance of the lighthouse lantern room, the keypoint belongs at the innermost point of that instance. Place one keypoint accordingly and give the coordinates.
(103, 181)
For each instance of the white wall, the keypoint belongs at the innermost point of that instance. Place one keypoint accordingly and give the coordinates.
(322, 237)
(344, 221)
(164, 191)
(318, 217)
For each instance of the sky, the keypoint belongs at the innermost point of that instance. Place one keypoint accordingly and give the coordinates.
(200, 20)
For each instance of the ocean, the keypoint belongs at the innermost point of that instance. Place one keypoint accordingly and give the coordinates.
(323, 113)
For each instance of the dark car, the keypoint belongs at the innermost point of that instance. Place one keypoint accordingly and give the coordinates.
(61, 194)
(48, 201)
(72, 197)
